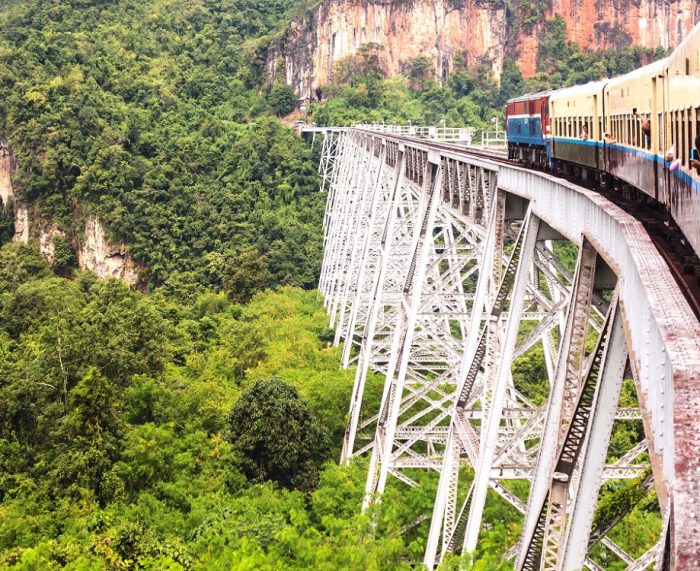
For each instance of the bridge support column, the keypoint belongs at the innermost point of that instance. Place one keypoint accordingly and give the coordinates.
(403, 337)
(525, 250)
(375, 304)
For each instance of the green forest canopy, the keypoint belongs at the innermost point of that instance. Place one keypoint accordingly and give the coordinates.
(150, 116)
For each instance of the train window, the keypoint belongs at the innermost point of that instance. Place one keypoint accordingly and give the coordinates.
(647, 137)
(630, 126)
(620, 129)
(620, 134)
(687, 66)
(690, 134)
(621, 121)
(660, 129)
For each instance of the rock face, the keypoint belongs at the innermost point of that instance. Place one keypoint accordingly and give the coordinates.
(21, 223)
(7, 193)
(95, 253)
(440, 29)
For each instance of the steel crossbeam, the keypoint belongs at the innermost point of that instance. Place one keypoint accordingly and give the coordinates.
(441, 272)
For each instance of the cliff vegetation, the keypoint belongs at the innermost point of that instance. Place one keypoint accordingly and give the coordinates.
(472, 95)
(149, 117)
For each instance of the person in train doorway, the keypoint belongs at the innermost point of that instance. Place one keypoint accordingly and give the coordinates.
(584, 132)
(695, 155)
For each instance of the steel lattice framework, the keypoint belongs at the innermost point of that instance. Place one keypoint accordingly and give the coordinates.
(440, 271)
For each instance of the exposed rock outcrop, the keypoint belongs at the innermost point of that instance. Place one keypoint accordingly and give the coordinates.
(441, 29)
(7, 193)
(47, 246)
(97, 254)
(21, 223)
(44, 232)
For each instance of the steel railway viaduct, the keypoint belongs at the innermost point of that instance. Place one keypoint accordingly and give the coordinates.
(442, 268)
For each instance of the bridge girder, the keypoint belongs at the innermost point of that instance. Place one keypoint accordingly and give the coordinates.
(439, 272)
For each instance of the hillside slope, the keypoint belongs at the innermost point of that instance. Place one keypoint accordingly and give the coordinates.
(139, 143)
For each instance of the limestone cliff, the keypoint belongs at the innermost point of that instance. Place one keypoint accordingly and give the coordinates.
(7, 193)
(441, 29)
(97, 254)
(94, 251)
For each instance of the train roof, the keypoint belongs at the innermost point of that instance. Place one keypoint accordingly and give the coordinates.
(577, 90)
(531, 96)
(649, 70)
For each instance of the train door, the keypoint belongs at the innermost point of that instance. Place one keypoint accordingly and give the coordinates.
(664, 175)
(596, 135)
(546, 127)
(654, 137)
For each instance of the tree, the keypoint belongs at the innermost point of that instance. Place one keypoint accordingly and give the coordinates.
(247, 273)
(422, 73)
(277, 435)
(512, 84)
(282, 99)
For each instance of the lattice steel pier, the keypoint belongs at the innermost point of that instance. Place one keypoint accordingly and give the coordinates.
(442, 268)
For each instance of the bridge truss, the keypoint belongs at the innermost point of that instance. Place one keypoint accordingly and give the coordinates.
(444, 271)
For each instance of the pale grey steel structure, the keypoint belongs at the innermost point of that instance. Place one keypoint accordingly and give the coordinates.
(433, 258)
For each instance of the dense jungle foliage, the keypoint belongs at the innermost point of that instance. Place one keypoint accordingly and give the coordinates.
(197, 426)
(135, 432)
(150, 116)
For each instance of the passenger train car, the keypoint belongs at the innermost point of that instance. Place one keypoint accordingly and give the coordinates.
(639, 128)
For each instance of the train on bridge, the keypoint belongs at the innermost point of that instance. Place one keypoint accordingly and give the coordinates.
(638, 131)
